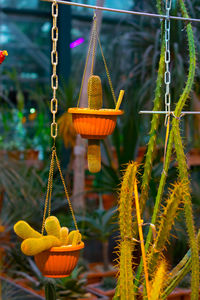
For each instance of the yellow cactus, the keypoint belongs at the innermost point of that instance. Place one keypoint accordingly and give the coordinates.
(74, 238)
(94, 102)
(52, 226)
(25, 231)
(33, 246)
(94, 92)
(94, 156)
(64, 235)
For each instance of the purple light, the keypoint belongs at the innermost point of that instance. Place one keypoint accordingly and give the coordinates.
(77, 43)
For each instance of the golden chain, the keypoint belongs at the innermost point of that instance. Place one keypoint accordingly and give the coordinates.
(66, 192)
(94, 38)
(54, 126)
(107, 72)
(49, 188)
(86, 63)
(54, 62)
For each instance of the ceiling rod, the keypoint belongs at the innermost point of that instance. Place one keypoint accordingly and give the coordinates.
(130, 12)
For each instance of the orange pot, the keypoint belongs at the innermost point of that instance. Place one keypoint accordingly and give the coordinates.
(58, 261)
(93, 123)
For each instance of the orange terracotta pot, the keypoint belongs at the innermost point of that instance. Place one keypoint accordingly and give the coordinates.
(58, 261)
(93, 123)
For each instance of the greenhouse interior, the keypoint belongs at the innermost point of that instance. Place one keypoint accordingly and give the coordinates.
(99, 149)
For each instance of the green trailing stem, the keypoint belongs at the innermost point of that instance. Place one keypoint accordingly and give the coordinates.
(184, 176)
(178, 109)
(165, 224)
(125, 278)
(154, 129)
(179, 272)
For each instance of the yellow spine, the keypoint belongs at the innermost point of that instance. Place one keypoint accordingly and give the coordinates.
(25, 231)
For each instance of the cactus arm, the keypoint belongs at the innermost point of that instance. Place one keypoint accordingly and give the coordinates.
(179, 272)
(64, 231)
(33, 246)
(94, 102)
(52, 226)
(184, 176)
(74, 238)
(154, 129)
(125, 286)
(158, 281)
(25, 231)
(166, 222)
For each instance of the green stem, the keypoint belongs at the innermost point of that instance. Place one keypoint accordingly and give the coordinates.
(184, 176)
(179, 272)
(178, 110)
(153, 131)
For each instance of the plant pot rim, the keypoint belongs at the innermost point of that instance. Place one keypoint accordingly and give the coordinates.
(88, 111)
(67, 248)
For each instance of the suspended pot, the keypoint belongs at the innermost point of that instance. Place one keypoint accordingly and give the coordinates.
(94, 124)
(58, 261)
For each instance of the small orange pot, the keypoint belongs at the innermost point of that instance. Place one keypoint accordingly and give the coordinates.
(93, 123)
(58, 261)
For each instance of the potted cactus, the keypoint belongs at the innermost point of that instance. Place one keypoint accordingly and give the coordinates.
(57, 253)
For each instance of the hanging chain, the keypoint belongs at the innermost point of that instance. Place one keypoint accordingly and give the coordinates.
(94, 37)
(54, 126)
(54, 62)
(92, 48)
(167, 63)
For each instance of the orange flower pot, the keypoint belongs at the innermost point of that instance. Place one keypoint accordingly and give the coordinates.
(93, 123)
(58, 261)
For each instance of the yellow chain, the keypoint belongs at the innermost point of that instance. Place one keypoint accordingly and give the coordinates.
(107, 72)
(54, 62)
(54, 126)
(86, 63)
(49, 186)
(94, 43)
(66, 192)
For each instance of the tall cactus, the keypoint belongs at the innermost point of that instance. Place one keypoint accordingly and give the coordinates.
(125, 278)
(94, 102)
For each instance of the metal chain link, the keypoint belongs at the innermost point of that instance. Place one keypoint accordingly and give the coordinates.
(167, 62)
(54, 62)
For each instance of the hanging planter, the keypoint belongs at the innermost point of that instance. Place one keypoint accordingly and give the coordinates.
(94, 124)
(58, 261)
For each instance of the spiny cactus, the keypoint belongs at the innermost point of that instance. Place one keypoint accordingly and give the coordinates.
(64, 231)
(24, 230)
(125, 278)
(158, 281)
(177, 193)
(52, 226)
(94, 102)
(50, 291)
(94, 92)
(33, 246)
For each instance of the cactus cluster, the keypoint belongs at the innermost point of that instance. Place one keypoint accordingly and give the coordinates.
(57, 236)
(94, 102)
